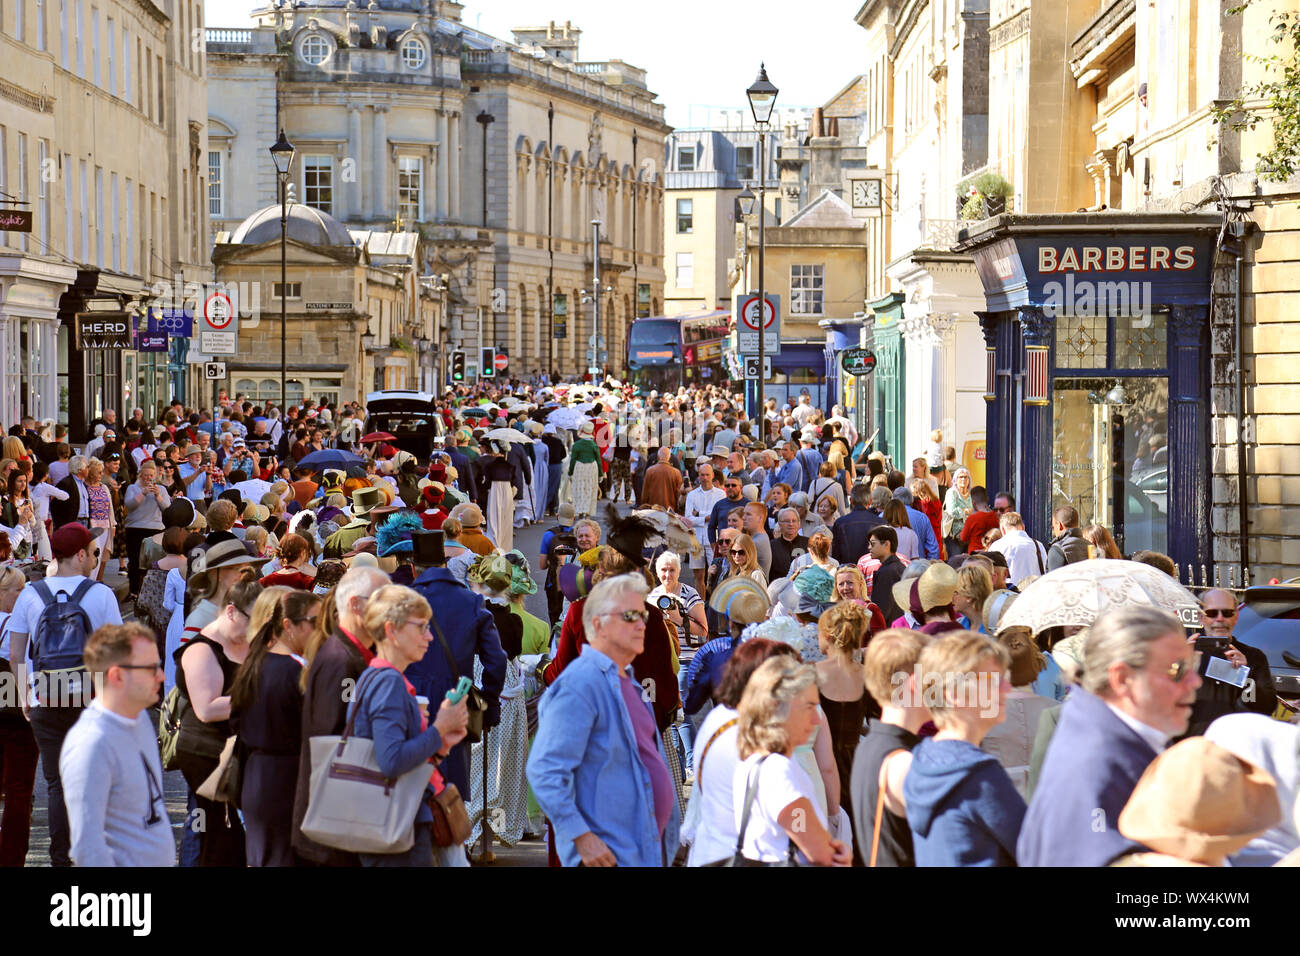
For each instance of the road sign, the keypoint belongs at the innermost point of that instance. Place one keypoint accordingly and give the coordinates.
(213, 371)
(751, 367)
(595, 357)
(219, 331)
(501, 362)
(596, 342)
(487, 362)
(858, 361)
(747, 324)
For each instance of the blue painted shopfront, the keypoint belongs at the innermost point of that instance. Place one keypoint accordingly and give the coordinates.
(798, 367)
(1097, 396)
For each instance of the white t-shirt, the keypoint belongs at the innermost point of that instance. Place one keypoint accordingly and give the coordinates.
(100, 605)
(781, 783)
(715, 837)
(699, 505)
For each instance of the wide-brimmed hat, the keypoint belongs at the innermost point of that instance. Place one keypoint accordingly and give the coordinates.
(719, 451)
(564, 514)
(1199, 802)
(366, 500)
(228, 554)
(576, 580)
(491, 572)
(587, 430)
(742, 599)
(394, 535)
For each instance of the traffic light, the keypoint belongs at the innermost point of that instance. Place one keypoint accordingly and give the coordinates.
(458, 366)
(487, 363)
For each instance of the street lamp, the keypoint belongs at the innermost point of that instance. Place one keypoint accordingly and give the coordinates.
(282, 155)
(762, 98)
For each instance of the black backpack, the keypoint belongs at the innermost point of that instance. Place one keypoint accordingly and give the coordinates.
(61, 631)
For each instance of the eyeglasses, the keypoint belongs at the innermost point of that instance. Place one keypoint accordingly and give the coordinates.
(630, 617)
(309, 620)
(739, 551)
(141, 667)
(1179, 669)
(1002, 510)
(1219, 612)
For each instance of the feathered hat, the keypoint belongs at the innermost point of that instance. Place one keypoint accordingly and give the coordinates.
(673, 528)
(630, 536)
(394, 535)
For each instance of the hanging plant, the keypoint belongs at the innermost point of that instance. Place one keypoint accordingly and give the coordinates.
(979, 190)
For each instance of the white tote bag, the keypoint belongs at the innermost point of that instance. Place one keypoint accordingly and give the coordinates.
(353, 806)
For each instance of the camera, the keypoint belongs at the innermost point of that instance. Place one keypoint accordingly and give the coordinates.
(667, 602)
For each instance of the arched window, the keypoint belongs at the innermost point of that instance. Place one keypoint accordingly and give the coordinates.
(314, 49)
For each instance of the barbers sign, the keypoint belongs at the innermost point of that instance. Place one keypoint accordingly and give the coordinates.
(103, 330)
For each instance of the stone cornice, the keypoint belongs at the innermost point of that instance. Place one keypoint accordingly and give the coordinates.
(39, 102)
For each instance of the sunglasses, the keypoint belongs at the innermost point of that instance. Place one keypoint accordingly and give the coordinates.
(739, 551)
(1219, 612)
(1179, 669)
(630, 617)
(309, 620)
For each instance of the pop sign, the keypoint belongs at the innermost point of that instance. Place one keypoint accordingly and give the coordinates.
(858, 361)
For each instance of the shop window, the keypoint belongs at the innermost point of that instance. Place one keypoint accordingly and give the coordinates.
(1110, 456)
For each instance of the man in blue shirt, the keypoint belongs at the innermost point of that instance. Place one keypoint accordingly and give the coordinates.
(597, 766)
(197, 479)
(920, 524)
(733, 486)
(789, 471)
(809, 458)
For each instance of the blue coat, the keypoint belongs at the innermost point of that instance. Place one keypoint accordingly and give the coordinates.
(849, 542)
(468, 626)
(1092, 765)
(924, 533)
(586, 771)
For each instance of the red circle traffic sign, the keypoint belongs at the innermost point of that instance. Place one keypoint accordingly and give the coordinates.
(502, 361)
(748, 305)
(218, 311)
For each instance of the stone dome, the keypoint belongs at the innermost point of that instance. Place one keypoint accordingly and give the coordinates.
(305, 225)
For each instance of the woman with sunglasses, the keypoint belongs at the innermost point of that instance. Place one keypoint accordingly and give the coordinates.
(743, 557)
(205, 673)
(266, 713)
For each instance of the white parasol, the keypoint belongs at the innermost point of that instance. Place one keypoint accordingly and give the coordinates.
(1077, 593)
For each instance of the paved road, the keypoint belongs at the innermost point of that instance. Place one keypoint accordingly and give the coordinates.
(528, 853)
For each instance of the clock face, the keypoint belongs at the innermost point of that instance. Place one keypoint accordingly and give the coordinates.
(866, 193)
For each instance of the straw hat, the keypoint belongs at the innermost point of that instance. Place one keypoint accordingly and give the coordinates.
(468, 514)
(742, 599)
(587, 430)
(1199, 802)
(935, 588)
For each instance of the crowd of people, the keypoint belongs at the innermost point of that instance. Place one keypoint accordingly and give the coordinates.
(763, 644)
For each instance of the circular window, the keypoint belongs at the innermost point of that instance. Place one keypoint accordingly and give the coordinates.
(314, 49)
(413, 54)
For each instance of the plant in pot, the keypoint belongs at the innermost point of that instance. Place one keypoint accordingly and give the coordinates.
(984, 195)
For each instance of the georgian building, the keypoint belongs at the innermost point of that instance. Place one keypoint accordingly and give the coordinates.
(497, 155)
(103, 129)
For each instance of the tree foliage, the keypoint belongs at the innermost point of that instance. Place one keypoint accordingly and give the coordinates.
(1275, 98)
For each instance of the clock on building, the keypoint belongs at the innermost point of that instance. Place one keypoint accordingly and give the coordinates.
(866, 194)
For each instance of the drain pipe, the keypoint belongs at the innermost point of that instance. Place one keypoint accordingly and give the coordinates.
(1238, 230)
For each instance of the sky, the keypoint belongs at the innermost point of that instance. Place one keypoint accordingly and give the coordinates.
(698, 53)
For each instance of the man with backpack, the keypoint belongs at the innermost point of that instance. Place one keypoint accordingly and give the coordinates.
(53, 619)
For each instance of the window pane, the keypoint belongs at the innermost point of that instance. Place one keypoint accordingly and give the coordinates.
(1140, 341)
(685, 270)
(806, 290)
(409, 181)
(1081, 341)
(318, 182)
(214, 183)
(745, 162)
(686, 159)
(685, 216)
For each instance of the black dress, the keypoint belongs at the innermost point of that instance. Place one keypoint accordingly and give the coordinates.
(271, 731)
(221, 839)
(846, 719)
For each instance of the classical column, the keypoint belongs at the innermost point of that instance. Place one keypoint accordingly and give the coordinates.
(444, 161)
(379, 202)
(453, 168)
(1035, 485)
(943, 395)
(1189, 440)
(354, 200)
(994, 441)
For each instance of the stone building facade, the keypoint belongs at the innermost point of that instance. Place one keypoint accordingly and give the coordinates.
(498, 155)
(103, 127)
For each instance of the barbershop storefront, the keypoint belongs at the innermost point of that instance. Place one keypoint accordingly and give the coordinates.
(1097, 389)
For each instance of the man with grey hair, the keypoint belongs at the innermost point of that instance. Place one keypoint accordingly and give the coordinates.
(788, 544)
(77, 505)
(1137, 690)
(598, 766)
(331, 678)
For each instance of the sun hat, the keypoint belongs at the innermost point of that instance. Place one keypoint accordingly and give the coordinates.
(742, 599)
(228, 554)
(1199, 802)
(587, 430)
(491, 572)
(468, 514)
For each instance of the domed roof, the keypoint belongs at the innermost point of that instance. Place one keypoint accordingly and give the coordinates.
(305, 224)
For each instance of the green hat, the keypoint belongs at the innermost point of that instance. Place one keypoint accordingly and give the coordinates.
(492, 572)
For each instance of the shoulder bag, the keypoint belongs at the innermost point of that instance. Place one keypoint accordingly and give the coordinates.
(226, 782)
(751, 792)
(352, 805)
(475, 702)
(451, 826)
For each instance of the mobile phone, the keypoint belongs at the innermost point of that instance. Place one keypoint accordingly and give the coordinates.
(460, 690)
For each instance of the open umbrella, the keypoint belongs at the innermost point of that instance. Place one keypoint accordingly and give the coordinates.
(1077, 593)
(507, 435)
(377, 436)
(331, 458)
(567, 417)
(253, 489)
